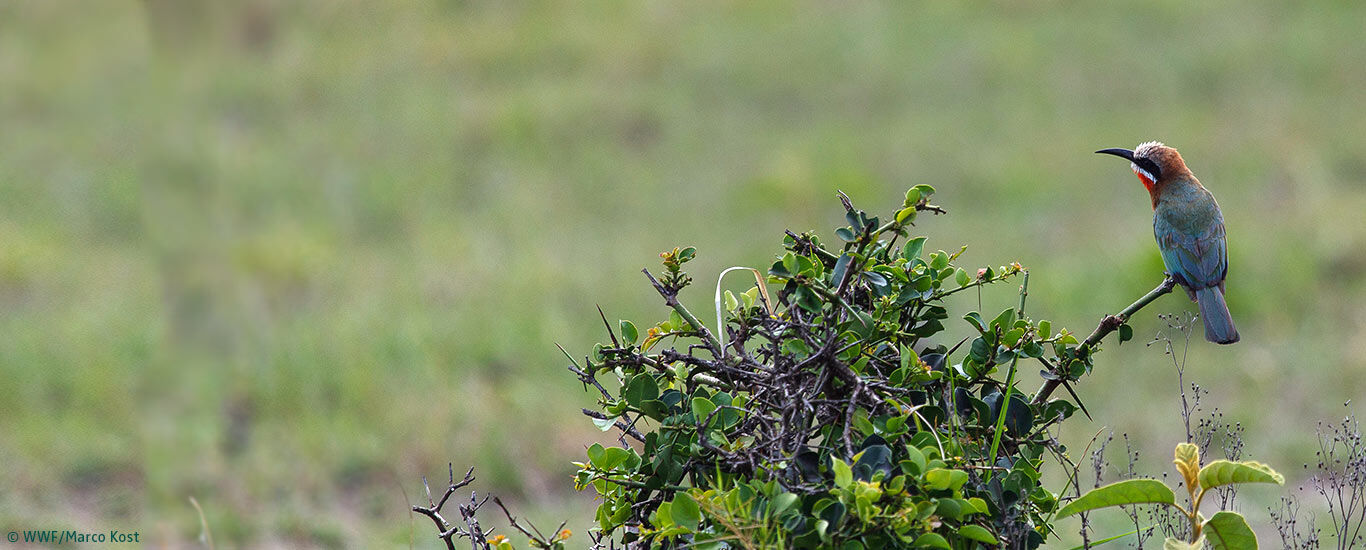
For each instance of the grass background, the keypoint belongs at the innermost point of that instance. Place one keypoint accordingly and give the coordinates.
(287, 259)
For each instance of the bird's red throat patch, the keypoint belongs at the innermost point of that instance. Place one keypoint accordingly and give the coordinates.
(1148, 184)
(1143, 178)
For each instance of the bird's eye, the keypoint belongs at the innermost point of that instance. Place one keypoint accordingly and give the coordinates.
(1147, 176)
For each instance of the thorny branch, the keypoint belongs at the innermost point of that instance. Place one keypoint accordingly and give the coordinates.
(448, 530)
(469, 528)
(1107, 325)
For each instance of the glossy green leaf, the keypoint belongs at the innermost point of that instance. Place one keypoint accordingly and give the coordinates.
(862, 424)
(1229, 531)
(790, 263)
(829, 511)
(977, 533)
(685, 511)
(912, 197)
(864, 324)
(655, 409)
(915, 459)
(807, 267)
(628, 331)
(779, 269)
(913, 249)
(821, 527)
(1224, 472)
(844, 475)
(702, 408)
(856, 219)
(962, 278)
(939, 260)
(613, 457)
(663, 517)
(876, 280)
(1131, 491)
(781, 503)
(875, 458)
(895, 485)
(979, 351)
(642, 388)
(975, 319)
(841, 267)
(1012, 337)
(940, 479)
(931, 540)
(750, 297)
(595, 453)
(1058, 407)
(808, 300)
(1004, 319)
(905, 215)
(1019, 418)
(949, 508)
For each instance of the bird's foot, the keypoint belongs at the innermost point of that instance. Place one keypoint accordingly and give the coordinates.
(1169, 280)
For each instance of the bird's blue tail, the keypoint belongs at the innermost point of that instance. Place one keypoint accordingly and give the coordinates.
(1218, 323)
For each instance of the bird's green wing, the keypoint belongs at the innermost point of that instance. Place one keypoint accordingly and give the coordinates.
(1197, 254)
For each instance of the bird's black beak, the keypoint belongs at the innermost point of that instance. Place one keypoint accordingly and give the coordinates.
(1122, 153)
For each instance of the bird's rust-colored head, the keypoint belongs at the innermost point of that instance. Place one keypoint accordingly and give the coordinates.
(1155, 165)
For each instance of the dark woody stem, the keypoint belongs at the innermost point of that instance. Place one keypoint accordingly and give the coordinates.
(1107, 325)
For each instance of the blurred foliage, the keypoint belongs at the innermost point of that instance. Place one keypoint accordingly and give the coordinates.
(241, 241)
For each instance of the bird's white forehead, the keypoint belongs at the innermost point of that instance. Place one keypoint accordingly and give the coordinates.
(1146, 148)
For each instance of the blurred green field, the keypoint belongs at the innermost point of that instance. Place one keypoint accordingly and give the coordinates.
(288, 259)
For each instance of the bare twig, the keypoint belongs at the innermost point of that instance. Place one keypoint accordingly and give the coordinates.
(626, 429)
(538, 539)
(447, 530)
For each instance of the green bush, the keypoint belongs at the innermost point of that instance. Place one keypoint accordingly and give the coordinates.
(835, 413)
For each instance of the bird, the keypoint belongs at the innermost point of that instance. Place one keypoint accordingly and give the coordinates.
(1190, 232)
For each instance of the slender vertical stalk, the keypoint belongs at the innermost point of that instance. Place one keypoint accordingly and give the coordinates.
(1010, 385)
